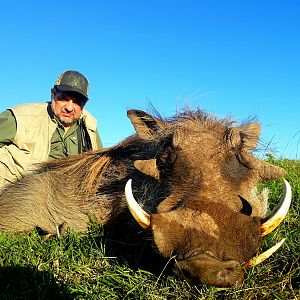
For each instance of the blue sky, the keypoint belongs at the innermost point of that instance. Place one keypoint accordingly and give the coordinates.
(238, 58)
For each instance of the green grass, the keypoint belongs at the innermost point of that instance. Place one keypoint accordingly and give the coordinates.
(98, 265)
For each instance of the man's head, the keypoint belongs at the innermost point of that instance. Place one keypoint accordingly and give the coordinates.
(68, 96)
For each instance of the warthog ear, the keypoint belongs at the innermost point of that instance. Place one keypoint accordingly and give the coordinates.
(245, 136)
(145, 125)
(147, 167)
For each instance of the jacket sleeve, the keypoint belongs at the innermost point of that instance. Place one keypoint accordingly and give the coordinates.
(8, 128)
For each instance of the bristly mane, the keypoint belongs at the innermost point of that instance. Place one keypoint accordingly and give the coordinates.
(198, 116)
(90, 166)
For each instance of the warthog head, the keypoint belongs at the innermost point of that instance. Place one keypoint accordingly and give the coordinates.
(213, 220)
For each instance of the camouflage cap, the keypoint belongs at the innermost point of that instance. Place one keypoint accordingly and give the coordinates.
(72, 81)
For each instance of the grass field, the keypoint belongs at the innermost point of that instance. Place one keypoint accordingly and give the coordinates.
(99, 265)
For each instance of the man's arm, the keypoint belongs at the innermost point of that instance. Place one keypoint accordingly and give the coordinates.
(8, 128)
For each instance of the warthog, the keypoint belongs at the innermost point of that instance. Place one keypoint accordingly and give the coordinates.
(195, 176)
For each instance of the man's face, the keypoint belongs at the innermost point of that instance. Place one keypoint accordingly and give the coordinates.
(67, 107)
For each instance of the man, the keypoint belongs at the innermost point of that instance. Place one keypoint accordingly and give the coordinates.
(31, 133)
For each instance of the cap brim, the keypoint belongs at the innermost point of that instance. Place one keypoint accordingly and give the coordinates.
(67, 88)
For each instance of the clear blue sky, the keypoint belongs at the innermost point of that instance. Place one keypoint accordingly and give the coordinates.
(238, 58)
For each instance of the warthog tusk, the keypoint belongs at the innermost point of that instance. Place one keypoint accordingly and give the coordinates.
(137, 212)
(273, 220)
(261, 257)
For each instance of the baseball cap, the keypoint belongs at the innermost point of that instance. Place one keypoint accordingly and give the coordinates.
(72, 81)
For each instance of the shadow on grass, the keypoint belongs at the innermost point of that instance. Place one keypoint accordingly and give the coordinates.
(29, 283)
(133, 246)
